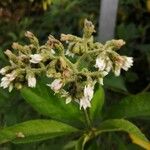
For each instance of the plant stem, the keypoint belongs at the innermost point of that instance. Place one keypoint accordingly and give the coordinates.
(88, 119)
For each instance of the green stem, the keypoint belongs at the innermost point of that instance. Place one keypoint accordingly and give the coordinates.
(88, 119)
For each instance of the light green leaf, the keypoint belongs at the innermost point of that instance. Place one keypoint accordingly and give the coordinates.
(97, 104)
(131, 106)
(46, 103)
(123, 125)
(35, 130)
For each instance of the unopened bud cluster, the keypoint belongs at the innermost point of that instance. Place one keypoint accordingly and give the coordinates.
(73, 67)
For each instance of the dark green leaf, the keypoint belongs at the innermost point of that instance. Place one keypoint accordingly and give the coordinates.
(35, 130)
(115, 83)
(123, 125)
(97, 104)
(46, 103)
(131, 106)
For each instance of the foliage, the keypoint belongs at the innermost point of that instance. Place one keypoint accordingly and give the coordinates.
(67, 17)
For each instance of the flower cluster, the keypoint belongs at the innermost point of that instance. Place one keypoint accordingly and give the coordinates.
(73, 67)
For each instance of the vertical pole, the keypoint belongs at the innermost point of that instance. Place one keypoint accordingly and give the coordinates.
(107, 19)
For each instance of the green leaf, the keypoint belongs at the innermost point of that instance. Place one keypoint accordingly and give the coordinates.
(121, 145)
(115, 83)
(131, 106)
(123, 125)
(97, 104)
(35, 130)
(81, 142)
(46, 103)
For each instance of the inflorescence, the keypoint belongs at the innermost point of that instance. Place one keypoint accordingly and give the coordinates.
(73, 67)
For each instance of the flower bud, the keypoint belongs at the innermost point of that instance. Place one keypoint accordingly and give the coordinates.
(35, 58)
(118, 43)
(31, 80)
(56, 85)
(4, 70)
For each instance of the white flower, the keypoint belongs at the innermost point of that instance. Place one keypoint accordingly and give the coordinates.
(7, 79)
(122, 62)
(100, 63)
(3, 71)
(128, 62)
(36, 58)
(88, 91)
(88, 95)
(84, 102)
(31, 81)
(5, 82)
(56, 85)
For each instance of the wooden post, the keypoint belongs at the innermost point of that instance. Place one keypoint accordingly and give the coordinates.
(107, 19)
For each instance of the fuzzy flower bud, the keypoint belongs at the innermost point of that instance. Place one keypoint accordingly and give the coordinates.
(56, 85)
(4, 70)
(84, 102)
(88, 95)
(31, 81)
(7, 80)
(35, 58)
(118, 43)
(128, 62)
(29, 34)
(100, 63)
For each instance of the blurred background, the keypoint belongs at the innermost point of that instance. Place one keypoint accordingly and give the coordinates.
(44, 17)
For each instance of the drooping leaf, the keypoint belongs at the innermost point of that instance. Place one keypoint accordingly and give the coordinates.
(97, 104)
(140, 142)
(123, 125)
(35, 130)
(131, 106)
(46, 103)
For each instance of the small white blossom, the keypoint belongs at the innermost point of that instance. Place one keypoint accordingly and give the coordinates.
(7, 79)
(31, 81)
(128, 62)
(88, 95)
(35, 58)
(56, 85)
(3, 71)
(84, 102)
(88, 91)
(100, 63)
(122, 62)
